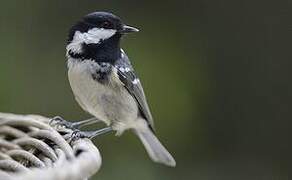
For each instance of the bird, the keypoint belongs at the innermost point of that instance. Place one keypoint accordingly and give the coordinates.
(105, 84)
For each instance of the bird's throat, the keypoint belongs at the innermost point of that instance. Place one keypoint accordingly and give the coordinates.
(105, 51)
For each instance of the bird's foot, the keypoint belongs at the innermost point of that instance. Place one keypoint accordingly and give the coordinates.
(58, 122)
(77, 134)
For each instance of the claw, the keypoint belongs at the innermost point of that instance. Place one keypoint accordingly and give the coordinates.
(77, 135)
(60, 122)
(55, 119)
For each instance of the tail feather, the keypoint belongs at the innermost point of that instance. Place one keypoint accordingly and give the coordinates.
(155, 149)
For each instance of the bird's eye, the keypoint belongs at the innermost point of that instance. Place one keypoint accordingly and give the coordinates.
(106, 25)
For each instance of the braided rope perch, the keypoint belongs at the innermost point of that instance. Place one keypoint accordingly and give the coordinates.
(32, 149)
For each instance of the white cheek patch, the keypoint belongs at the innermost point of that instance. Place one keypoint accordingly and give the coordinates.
(93, 36)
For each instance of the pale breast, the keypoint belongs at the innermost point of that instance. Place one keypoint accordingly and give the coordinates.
(109, 102)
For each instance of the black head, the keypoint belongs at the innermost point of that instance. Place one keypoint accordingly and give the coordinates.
(100, 20)
(97, 37)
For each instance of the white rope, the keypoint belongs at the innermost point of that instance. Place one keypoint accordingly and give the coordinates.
(31, 149)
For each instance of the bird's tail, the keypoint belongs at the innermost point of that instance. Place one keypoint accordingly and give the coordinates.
(155, 149)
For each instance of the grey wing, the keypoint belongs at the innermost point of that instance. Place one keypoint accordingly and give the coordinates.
(132, 84)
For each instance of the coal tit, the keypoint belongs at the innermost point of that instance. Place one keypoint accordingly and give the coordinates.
(104, 82)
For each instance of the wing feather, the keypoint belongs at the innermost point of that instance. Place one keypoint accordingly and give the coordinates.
(133, 85)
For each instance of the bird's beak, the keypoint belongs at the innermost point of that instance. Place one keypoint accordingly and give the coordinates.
(128, 29)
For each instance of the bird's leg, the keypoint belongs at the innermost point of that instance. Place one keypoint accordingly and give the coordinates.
(89, 134)
(73, 125)
(86, 122)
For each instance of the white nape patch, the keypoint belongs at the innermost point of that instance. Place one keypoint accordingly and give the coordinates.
(93, 36)
(136, 81)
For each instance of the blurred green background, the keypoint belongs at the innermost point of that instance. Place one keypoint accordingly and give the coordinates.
(217, 75)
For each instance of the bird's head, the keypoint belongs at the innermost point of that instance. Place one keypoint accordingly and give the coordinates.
(97, 29)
